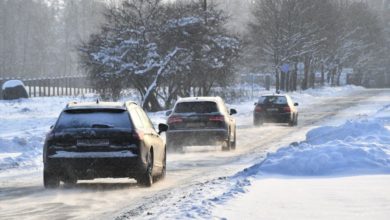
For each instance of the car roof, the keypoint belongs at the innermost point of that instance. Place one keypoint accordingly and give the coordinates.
(201, 99)
(98, 105)
(280, 95)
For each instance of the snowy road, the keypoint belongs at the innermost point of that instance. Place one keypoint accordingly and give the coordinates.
(22, 195)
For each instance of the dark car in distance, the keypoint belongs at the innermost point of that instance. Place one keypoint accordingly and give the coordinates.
(201, 121)
(275, 109)
(101, 140)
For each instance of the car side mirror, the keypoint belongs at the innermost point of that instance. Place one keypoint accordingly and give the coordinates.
(168, 113)
(233, 111)
(296, 104)
(162, 128)
(51, 127)
(255, 103)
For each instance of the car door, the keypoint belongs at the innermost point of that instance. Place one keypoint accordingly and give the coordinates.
(154, 138)
(293, 108)
(231, 120)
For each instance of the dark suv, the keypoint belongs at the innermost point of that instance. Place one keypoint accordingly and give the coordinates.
(99, 140)
(275, 108)
(201, 121)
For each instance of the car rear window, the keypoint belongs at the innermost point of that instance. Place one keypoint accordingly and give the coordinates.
(93, 119)
(196, 107)
(273, 100)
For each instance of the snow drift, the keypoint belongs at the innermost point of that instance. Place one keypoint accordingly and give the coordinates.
(356, 147)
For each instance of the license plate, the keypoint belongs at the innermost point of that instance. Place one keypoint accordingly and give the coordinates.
(92, 142)
(272, 109)
(194, 125)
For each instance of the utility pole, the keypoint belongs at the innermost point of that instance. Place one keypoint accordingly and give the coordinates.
(205, 10)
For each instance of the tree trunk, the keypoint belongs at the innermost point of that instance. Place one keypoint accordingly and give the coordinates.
(288, 76)
(277, 80)
(306, 73)
(339, 70)
(332, 76)
(282, 81)
(294, 79)
(312, 79)
(322, 74)
(152, 104)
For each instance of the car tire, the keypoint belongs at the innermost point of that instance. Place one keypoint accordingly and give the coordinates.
(233, 144)
(291, 123)
(164, 168)
(257, 122)
(296, 120)
(50, 180)
(70, 181)
(146, 179)
(226, 144)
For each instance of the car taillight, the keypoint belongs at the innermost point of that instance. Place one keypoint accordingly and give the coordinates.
(174, 119)
(258, 109)
(138, 135)
(287, 109)
(217, 118)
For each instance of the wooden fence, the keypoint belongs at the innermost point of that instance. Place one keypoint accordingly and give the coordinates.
(54, 86)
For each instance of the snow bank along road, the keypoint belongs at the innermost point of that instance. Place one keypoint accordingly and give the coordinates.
(22, 195)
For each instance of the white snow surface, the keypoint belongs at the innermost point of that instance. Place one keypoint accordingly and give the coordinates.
(346, 198)
(11, 84)
(356, 147)
(24, 124)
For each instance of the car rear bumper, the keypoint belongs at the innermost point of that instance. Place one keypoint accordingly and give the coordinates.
(275, 117)
(90, 165)
(199, 137)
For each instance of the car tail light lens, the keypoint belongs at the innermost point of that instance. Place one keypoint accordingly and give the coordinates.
(287, 109)
(138, 135)
(174, 119)
(217, 118)
(258, 109)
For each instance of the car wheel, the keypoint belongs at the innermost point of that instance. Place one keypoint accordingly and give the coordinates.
(233, 144)
(257, 122)
(291, 122)
(146, 179)
(164, 168)
(50, 180)
(226, 144)
(70, 181)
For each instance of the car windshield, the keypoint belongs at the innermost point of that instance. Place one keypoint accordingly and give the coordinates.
(273, 100)
(196, 107)
(93, 119)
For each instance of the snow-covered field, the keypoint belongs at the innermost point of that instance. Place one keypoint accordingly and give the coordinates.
(24, 124)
